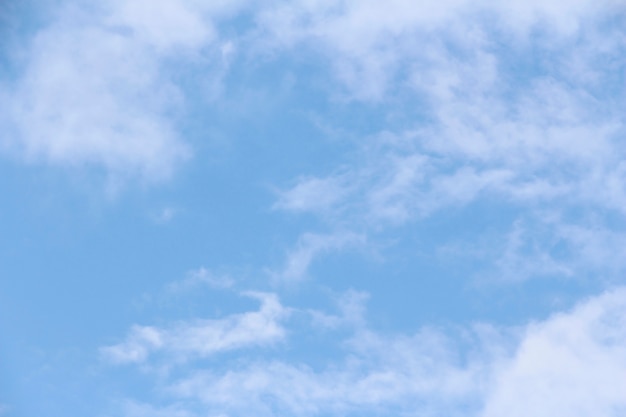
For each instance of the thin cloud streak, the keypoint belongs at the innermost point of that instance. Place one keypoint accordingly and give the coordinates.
(203, 338)
(309, 247)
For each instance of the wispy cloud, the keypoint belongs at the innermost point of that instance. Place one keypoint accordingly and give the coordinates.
(572, 362)
(370, 43)
(308, 248)
(351, 306)
(546, 245)
(202, 338)
(490, 127)
(533, 145)
(316, 195)
(198, 278)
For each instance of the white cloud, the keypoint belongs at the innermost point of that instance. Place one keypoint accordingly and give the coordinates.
(94, 89)
(202, 338)
(198, 278)
(351, 307)
(370, 42)
(489, 126)
(309, 247)
(527, 253)
(168, 25)
(138, 345)
(480, 111)
(91, 95)
(546, 245)
(70, 105)
(404, 373)
(542, 145)
(596, 247)
(311, 194)
(570, 364)
(573, 364)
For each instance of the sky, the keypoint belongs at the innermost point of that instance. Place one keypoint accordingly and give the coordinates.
(232, 208)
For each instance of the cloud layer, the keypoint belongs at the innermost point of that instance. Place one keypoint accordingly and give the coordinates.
(571, 363)
(492, 134)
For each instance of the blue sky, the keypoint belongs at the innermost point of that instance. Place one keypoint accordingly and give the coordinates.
(312, 208)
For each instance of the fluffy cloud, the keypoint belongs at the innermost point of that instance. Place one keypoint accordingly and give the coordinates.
(94, 89)
(91, 94)
(573, 364)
